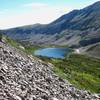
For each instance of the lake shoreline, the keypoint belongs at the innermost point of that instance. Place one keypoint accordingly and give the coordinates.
(53, 52)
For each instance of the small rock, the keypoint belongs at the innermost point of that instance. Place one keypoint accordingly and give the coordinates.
(55, 98)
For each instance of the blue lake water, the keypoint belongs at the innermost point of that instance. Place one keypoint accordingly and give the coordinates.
(52, 52)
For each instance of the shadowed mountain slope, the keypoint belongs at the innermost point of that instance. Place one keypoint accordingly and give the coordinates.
(77, 28)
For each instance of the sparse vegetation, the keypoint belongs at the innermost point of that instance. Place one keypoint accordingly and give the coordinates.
(27, 49)
(92, 47)
(80, 70)
(31, 49)
(0, 36)
(12, 42)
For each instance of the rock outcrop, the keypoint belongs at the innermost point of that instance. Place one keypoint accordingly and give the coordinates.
(25, 78)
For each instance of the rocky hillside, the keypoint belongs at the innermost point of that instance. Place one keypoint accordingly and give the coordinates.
(77, 28)
(91, 50)
(24, 78)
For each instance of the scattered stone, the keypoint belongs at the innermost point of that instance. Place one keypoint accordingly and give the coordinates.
(25, 78)
(55, 99)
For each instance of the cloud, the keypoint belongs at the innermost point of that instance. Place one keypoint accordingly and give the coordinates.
(35, 5)
(36, 13)
(44, 7)
(32, 13)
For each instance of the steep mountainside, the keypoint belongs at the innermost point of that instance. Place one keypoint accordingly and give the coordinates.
(91, 50)
(77, 28)
(22, 77)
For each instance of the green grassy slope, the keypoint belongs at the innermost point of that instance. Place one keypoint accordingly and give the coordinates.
(80, 70)
(27, 49)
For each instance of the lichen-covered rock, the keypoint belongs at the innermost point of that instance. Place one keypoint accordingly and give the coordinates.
(25, 78)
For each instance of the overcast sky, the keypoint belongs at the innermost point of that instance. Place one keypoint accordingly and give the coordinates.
(15, 13)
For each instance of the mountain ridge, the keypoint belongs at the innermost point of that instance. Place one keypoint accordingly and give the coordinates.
(72, 29)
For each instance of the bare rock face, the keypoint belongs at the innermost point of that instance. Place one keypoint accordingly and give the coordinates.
(25, 78)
